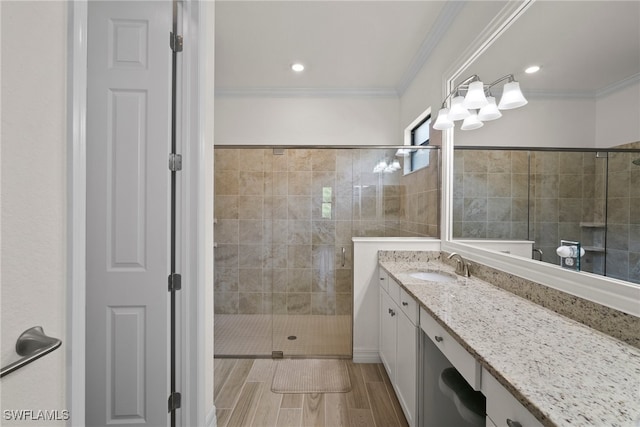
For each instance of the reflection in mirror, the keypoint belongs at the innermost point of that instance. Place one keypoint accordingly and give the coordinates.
(544, 197)
(581, 181)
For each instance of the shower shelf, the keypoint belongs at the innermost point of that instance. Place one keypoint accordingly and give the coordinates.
(593, 224)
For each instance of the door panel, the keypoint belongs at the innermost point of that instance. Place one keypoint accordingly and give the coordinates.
(128, 196)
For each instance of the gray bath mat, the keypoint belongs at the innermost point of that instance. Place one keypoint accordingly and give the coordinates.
(311, 376)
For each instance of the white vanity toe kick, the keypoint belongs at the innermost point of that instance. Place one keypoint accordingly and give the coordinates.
(561, 371)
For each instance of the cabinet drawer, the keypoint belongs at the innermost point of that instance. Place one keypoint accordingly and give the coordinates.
(384, 278)
(409, 306)
(464, 362)
(502, 406)
(394, 291)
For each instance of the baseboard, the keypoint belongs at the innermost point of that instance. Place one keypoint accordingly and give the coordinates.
(366, 356)
(211, 420)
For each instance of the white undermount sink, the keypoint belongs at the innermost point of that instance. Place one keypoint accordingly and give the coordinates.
(434, 276)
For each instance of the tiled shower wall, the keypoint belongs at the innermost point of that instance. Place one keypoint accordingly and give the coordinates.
(623, 217)
(282, 221)
(395, 204)
(580, 196)
(567, 192)
(490, 194)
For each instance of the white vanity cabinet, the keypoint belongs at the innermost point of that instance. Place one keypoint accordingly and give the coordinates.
(503, 410)
(388, 322)
(460, 358)
(399, 342)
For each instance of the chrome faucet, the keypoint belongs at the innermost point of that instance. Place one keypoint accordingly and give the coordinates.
(462, 268)
(539, 252)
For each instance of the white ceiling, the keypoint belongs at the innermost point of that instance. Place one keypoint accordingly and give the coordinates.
(343, 44)
(583, 46)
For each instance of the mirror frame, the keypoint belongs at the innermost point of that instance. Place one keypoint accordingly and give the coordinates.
(617, 294)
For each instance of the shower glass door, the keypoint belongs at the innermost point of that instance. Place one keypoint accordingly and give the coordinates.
(242, 309)
(309, 266)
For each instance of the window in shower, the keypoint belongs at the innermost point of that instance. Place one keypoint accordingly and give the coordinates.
(419, 159)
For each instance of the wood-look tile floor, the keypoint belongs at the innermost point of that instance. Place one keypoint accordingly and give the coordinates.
(243, 398)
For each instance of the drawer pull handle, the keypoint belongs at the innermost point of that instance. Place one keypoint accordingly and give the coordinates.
(393, 313)
(382, 278)
(390, 311)
(405, 303)
(512, 423)
(438, 338)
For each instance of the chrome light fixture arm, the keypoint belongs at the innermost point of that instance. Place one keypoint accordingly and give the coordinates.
(464, 85)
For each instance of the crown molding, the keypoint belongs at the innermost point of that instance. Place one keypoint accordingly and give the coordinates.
(445, 19)
(587, 94)
(614, 87)
(275, 92)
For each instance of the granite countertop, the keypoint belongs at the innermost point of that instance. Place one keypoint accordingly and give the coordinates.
(563, 372)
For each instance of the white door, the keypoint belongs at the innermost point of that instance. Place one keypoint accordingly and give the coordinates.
(128, 219)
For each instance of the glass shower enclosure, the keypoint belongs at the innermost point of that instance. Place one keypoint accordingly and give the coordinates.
(284, 220)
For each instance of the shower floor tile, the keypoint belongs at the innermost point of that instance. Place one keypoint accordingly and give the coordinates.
(251, 335)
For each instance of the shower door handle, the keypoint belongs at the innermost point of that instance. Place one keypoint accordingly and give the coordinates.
(344, 256)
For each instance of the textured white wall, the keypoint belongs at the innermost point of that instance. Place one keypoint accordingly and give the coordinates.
(306, 121)
(618, 117)
(550, 122)
(34, 55)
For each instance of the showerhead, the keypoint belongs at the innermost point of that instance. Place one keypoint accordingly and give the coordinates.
(636, 161)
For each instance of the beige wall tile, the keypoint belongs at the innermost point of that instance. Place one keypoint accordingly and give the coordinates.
(226, 207)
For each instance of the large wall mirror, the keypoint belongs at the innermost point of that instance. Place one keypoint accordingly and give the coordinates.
(566, 166)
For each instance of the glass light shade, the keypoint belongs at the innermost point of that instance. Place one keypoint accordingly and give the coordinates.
(457, 111)
(472, 122)
(380, 167)
(475, 97)
(489, 111)
(443, 122)
(511, 97)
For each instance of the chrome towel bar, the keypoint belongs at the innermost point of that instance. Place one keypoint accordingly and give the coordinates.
(32, 344)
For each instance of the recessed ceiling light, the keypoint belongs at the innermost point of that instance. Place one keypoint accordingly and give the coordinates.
(532, 69)
(297, 67)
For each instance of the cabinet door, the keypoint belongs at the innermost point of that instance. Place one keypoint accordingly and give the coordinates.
(406, 368)
(502, 408)
(388, 316)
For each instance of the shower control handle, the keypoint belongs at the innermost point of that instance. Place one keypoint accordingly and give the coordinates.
(438, 338)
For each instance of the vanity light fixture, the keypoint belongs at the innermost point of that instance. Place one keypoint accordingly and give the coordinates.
(472, 122)
(297, 67)
(477, 96)
(489, 111)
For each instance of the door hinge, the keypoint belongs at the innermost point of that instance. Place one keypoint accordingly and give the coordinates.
(175, 399)
(175, 282)
(175, 41)
(175, 162)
